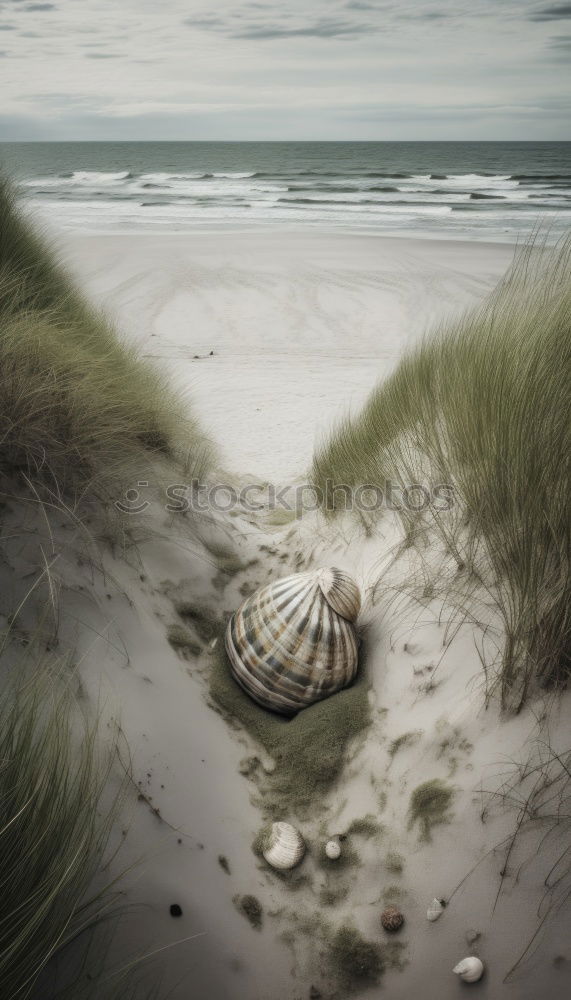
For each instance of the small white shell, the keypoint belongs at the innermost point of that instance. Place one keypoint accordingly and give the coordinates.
(470, 969)
(435, 910)
(286, 847)
(333, 849)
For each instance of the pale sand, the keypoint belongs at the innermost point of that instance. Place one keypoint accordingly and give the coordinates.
(302, 325)
(302, 328)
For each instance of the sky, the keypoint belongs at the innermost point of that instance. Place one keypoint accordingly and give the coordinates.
(303, 69)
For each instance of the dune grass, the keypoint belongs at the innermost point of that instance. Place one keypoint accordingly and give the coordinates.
(83, 418)
(536, 789)
(483, 406)
(55, 824)
(82, 415)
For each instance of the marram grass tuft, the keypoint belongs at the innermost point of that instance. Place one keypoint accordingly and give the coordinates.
(82, 415)
(55, 824)
(484, 405)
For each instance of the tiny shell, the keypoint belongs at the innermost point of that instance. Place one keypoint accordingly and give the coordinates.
(435, 910)
(333, 849)
(286, 847)
(470, 969)
(392, 918)
(294, 641)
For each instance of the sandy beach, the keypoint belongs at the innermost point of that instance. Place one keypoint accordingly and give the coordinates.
(285, 531)
(302, 327)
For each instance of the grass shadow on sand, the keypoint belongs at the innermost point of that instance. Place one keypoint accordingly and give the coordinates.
(309, 751)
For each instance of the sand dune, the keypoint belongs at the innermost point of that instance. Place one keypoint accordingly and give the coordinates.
(302, 327)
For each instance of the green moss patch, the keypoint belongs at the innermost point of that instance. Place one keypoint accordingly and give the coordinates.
(357, 962)
(226, 558)
(430, 805)
(365, 826)
(394, 863)
(394, 955)
(206, 624)
(333, 895)
(309, 750)
(251, 908)
(404, 742)
(183, 640)
(338, 955)
(249, 765)
(224, 863)
(292, 878)
(347, 859)
(262, 840)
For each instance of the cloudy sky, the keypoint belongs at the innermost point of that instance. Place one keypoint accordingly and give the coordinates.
(301, 69)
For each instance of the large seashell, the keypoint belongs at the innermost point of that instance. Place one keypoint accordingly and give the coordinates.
(435, 910)
(333, 850)
(470, 969)
(286, 847)
(293, 642)
(392, 918)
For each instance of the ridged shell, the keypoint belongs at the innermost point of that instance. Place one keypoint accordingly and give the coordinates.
(341, 593)
(293, 642)
(333, 850)
(286, 847)
(392, 918)
(470, 969)
(435, 910)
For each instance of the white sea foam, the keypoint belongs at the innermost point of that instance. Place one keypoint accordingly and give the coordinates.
(96, 177)
(236, 174)
(164, 178)
(183, 198)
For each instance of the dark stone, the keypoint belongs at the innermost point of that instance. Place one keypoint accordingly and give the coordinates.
(175, 910)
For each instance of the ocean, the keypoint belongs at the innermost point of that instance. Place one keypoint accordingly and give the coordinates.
(456, 190)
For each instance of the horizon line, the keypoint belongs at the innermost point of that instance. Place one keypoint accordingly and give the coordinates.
(281, 141)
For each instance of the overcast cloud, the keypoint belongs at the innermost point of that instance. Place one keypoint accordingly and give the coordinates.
(311, 69)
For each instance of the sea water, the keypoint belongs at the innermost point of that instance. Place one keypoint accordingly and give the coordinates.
(459, 190)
